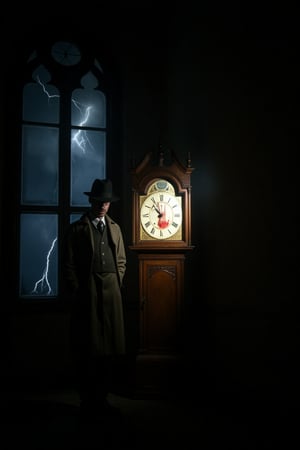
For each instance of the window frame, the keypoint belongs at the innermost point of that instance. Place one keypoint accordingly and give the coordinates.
(11, 205)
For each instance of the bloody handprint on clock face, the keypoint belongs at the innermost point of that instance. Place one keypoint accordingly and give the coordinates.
(162, 220)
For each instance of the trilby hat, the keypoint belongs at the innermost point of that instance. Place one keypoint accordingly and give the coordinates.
(102, 191)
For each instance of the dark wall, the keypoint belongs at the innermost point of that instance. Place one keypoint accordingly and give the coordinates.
(231, 103)
(219, 85)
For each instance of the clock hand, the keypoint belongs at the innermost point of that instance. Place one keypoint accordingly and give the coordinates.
(157, 210)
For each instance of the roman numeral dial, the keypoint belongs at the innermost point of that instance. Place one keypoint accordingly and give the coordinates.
(161, 213)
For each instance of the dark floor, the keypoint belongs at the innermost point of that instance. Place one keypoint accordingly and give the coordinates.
(191, 411)
(50, 419)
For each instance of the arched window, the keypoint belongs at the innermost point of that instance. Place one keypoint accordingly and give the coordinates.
(64, 136)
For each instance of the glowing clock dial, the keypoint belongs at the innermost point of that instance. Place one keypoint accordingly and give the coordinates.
(161, 215)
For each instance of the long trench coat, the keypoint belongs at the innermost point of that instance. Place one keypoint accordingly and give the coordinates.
(87, 332)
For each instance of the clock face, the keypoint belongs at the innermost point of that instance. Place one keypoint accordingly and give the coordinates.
(161, 212)
(66, 53)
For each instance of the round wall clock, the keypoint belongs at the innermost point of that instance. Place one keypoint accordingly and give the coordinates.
(66, 53)
(161, 212)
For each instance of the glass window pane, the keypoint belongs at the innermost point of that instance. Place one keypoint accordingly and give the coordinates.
(88, 108)
(39, 166)
(88, 161)
(41, 100)
(75, 216)
(38, 255)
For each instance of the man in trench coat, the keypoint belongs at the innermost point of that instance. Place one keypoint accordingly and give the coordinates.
(93, 266)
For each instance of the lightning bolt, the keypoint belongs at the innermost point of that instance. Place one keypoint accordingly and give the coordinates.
(42, 286)
(79, 137)
(45, 90)
(43, 282)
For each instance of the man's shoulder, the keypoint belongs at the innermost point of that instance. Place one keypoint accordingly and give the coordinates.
(79, 223)
(112, 222)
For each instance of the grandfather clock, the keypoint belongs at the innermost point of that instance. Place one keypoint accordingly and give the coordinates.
(161, 235)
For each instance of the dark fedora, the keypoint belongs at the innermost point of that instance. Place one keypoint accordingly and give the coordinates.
(102, 191)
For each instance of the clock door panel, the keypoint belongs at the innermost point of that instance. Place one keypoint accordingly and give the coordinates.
(161, 286)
